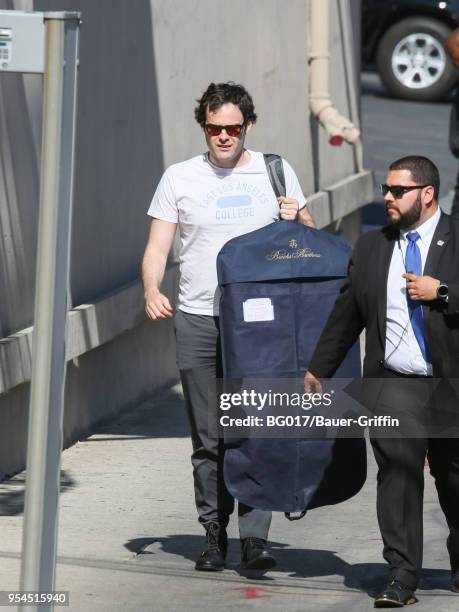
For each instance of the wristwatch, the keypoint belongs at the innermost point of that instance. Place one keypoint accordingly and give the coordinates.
(442, 292)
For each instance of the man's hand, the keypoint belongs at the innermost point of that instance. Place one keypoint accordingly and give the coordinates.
(312, 384)
(288, 208)
(157, 306)
(304, 217)
(421, 287)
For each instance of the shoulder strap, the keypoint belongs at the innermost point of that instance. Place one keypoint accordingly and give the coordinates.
(275, 170)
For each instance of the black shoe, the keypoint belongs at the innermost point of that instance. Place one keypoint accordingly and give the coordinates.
(455, 581)
(255, 554)
(395, 595)
(213, 558)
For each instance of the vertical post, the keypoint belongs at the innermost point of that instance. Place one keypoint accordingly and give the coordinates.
(348, 38)
(53, 254)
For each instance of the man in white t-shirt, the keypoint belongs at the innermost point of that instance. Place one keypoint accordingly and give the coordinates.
(212, 198)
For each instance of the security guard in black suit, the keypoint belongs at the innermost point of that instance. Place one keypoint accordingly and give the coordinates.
(403, 289)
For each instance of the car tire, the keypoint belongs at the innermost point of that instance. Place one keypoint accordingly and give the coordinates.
(412, 62)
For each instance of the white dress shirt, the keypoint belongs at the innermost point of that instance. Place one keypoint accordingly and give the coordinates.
(402, 349)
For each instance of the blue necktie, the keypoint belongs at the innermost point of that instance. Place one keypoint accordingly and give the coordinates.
(413, 264)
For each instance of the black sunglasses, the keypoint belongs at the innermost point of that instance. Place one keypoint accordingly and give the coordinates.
(231, 130)
(398, 191)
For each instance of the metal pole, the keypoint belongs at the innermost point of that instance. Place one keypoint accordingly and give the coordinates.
(352, 83)
(53, 254)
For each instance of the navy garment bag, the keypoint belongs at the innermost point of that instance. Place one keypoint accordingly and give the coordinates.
(278, 286)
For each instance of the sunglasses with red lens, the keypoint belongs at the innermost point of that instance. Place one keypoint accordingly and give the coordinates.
(231, 130)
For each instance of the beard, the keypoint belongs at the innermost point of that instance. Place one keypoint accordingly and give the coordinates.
(410, 217)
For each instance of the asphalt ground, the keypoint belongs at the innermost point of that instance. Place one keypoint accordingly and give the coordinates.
(394, 128)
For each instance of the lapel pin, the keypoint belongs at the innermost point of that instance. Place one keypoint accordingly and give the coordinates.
(441, 242)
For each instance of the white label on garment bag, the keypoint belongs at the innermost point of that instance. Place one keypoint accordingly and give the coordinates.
(258, 309)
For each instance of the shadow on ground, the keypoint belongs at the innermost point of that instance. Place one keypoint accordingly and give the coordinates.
(369, 578)
(162, 415)
(12, 493)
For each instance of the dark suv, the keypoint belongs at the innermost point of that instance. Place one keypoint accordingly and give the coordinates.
(405, 39)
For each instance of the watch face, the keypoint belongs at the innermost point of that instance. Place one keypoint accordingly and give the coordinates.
(442, 291)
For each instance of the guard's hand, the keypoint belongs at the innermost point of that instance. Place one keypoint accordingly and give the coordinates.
(157, 306)
(312, 384)
(421, 287)
(288, 208)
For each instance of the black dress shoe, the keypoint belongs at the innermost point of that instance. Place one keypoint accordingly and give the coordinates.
(255, 554)
(213, 558)
(395, 595)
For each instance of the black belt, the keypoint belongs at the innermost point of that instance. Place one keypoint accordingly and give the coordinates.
(394, 373)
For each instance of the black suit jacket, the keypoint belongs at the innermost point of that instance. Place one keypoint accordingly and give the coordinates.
(362, 304)
(454, 126)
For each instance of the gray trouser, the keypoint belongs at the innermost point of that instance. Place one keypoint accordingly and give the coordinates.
(199, 362)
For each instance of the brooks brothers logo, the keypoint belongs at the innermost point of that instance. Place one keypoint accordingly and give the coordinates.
(294, 253)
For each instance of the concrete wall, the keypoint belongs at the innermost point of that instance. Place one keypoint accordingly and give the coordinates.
(267, 52)
(143, 63)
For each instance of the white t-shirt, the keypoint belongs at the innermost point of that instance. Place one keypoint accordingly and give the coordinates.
(212, 205)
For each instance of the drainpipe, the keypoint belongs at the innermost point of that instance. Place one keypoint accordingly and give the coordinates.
(338, 127)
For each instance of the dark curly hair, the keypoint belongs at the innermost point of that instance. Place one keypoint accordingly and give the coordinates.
(218, 94)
